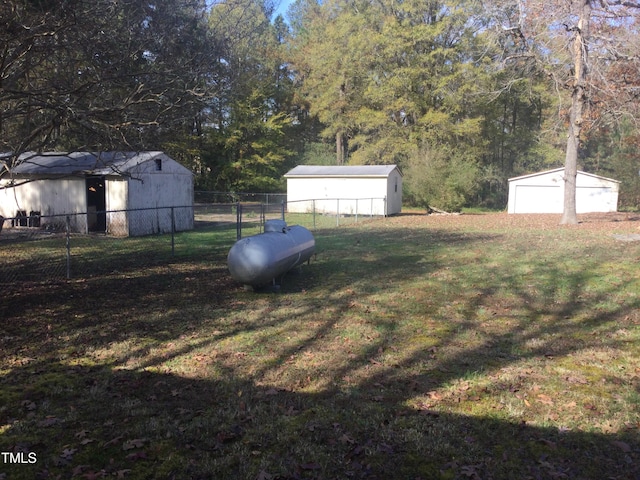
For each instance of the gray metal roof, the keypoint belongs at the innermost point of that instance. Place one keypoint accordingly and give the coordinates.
(341, 171)
(80, 163)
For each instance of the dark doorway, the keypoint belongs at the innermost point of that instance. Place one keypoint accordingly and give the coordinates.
(96, 204)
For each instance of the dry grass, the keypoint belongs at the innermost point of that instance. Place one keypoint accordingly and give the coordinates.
(473, 346)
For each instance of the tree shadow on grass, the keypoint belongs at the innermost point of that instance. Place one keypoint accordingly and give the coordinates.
(99, 423)
(173, 402)
(45, 257)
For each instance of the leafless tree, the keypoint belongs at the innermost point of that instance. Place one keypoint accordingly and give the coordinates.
(100, 74)
(591, 52)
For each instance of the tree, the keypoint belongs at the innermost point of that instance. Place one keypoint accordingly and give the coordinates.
(520, 128)
(613, 152)
(99, 75)
(329, 49)
(597, 68)
(400, 82)
(364, 68)
(247, 142)
(442, 176)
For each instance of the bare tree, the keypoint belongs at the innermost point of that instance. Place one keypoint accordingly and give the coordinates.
(99, 75)
(590, 49)
(579, 98)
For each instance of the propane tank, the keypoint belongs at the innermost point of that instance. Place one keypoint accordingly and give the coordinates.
(264, 258)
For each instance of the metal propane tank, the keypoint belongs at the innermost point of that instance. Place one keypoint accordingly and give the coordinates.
(261, 259)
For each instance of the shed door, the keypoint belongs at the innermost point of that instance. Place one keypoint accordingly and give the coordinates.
(96, 204)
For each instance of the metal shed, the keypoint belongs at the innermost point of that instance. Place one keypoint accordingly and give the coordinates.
(349, 189)
(543, 192)
(128, 193)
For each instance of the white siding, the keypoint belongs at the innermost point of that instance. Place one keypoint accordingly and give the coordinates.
(172, 186)
(537, 199)
(144, 185)
(117, 189)
(330, 194)
(596, 199)
(116, 193)
(544, 193)
(347, 195)
(49, 197)
(394, 193)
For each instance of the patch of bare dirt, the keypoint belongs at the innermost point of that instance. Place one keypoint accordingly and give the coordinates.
(607, 223)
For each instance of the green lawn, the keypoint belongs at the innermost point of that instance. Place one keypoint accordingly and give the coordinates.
(414, 347)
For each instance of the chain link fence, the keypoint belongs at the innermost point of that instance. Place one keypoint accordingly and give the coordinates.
(244, 197)
(34, 247)
(333, 212)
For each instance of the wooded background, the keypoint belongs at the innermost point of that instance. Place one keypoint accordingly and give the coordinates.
(461, 94)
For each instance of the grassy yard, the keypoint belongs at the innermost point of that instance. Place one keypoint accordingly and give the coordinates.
(415, 347)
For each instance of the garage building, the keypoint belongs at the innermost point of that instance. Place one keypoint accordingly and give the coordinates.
(543, 192)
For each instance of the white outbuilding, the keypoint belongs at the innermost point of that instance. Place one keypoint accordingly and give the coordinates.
(345, 190)
(543, 192)
(124, 193)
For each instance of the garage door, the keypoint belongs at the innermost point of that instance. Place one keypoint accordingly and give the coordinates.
(594, 199)
(538, 199)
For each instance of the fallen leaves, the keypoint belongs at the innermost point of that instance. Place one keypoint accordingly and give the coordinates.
(137, 456)
(134, 443)
(49, 421)
(470, 471)
(264, 476)
(113, 441)
(592, 408)
(434, 395)
(68, 453)
(545, 399)
(346, 438)
(624, 446)
(83, 437)
(85, 471)
(406, 397)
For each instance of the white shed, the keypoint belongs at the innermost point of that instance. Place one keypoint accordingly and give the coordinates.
(126, 193)
(543, 192)
(347, 190)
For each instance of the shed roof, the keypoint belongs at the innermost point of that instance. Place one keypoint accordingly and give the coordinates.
(81, 163)
(556, 170)
(342, 171)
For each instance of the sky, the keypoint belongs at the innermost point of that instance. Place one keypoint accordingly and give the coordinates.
(282, 6)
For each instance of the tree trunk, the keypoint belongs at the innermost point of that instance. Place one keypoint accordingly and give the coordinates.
(569, 214)
(340, 148)
(578, 101)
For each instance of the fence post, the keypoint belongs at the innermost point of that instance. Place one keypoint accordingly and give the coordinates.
(68, 245)
(337, 212)
(173, 233)
(371, 211)
(282, 208)
(356, 210)
(314, 213)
